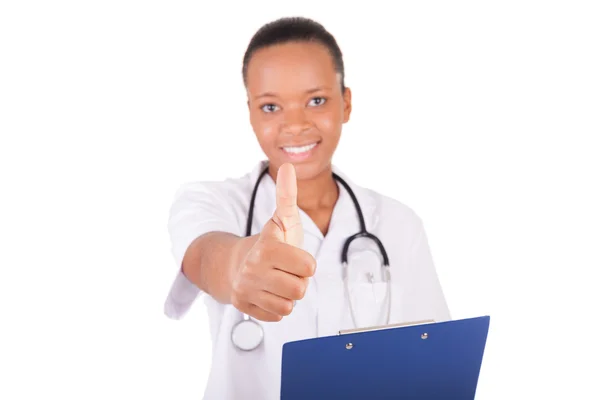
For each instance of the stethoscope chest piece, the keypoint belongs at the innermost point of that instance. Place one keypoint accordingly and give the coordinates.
(247, 334)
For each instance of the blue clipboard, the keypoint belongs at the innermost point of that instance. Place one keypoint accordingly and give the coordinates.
(426, 362)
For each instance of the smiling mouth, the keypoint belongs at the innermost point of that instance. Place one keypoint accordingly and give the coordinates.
(299, 153)
(300, 149)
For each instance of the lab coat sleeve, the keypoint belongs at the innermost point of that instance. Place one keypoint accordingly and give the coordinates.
(427, 286)
(198, 208)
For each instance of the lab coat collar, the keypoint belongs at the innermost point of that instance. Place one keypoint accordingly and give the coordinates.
(343, 213)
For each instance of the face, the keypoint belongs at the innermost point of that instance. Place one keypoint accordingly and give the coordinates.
(296, 105)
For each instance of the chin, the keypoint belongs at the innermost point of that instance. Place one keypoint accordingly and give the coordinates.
(307, 171)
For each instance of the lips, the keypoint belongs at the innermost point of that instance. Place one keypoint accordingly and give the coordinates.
(300, 152)
(299, 149)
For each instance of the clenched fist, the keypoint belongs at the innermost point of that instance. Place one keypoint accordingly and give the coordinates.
(275, 271)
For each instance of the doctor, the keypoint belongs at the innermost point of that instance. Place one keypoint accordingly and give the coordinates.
(275, 254)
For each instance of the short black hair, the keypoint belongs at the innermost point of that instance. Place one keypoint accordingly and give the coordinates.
(294, 29)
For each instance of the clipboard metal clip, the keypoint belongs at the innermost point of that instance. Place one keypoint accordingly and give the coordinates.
(390, 326)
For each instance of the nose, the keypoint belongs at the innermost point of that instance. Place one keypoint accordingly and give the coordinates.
(295, 122)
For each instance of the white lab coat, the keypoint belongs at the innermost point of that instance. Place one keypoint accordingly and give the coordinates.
(223, 206)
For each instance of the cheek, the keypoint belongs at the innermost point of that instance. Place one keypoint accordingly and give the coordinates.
(269, 135)
(265, 131)
(330, 124)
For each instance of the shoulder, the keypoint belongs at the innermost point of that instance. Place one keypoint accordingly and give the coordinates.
(229, 193)
(200, 206)
(393, 212)
(384, 212)
(225, 191)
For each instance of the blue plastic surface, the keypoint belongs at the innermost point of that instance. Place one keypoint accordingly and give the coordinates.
(395, 363)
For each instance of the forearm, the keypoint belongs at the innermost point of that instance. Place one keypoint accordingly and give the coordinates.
(212, 260)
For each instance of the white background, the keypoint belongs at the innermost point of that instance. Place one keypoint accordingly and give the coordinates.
(484, 118)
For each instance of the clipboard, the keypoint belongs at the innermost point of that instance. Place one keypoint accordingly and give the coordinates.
(426, 361)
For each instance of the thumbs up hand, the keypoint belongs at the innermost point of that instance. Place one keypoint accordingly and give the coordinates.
(285, 226)
(275, 271)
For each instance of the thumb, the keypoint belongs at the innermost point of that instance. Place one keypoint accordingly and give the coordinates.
(287, 214)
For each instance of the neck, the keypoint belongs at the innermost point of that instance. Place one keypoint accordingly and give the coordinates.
(316, 193)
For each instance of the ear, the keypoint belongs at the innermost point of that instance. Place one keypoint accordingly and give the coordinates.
(347, 96)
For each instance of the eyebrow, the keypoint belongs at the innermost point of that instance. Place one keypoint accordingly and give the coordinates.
(310, 91)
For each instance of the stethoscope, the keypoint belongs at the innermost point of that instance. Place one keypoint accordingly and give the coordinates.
(248, 334)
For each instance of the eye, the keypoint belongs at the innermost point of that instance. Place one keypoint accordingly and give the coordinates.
(269, 108)
(316, 101)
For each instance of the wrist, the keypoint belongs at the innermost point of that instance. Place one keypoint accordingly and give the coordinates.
(239, 252)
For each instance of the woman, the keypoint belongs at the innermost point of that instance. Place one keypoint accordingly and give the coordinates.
(285, 272)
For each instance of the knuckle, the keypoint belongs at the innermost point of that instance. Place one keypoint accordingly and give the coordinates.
(256, 253)
(246, 272)
(287, 307)
(276, 219)
(275, 318)
(298, 289)
(251, 268)
(290, 221)
(310, 266)
(262, 252)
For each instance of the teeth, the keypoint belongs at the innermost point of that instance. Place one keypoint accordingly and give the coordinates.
(297, 150)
